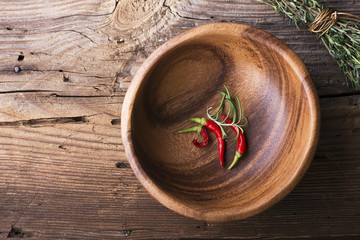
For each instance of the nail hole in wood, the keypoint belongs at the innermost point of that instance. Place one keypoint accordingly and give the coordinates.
(122, 165)
(17, 69)
(21, 57)
(15, 233)
(115, 121)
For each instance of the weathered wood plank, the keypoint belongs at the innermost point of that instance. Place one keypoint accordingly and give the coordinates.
(63, 172)
(95, 50)
(71, 179)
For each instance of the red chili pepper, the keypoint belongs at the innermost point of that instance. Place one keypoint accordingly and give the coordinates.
(200, 130)
(241, 145)
(205, 135)
(212, 126)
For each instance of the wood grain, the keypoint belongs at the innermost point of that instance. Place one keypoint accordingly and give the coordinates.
(64, 173)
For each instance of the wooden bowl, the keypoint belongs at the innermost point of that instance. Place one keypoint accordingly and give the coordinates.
(180, 80)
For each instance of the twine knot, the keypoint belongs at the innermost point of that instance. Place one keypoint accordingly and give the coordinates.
(323, 21)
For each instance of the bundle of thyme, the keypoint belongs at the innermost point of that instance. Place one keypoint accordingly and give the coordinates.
(340, 32)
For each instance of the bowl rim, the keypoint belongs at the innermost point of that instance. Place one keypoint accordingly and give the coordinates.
(235, 213)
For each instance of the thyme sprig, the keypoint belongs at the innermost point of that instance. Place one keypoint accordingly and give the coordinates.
(342, 39)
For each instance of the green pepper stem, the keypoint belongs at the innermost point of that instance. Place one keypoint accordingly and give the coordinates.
(192, 129)
(201, 121)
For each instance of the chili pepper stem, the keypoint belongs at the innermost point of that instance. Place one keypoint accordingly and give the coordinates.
(192, 129)
(236, 158)
(201, 121)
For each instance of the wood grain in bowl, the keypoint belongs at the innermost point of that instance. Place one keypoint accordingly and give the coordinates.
(180, 80)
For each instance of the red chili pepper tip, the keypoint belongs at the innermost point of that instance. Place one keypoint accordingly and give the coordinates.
(241, 145)
(205, 135)
(200, 130)
(212, 126)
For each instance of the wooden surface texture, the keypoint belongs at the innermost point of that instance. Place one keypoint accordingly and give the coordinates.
(65, 67)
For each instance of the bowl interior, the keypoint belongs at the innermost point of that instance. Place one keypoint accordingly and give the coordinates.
(181, 81)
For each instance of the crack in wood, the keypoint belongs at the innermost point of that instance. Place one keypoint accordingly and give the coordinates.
(15, 231)
(89, 15)
(193, 18)
(80, 96)
(82, 34)
(123, 233)
(46, 121)
(27, 69)
(116, 4)
(25, 91)
(168, 7)
(345, 94)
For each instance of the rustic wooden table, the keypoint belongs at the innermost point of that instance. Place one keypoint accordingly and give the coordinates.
(65, 67)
